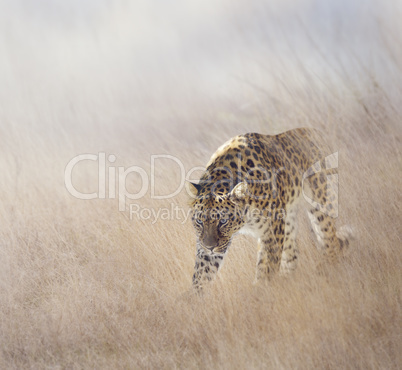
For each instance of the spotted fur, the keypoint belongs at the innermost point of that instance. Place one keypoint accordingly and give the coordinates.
(253, 184)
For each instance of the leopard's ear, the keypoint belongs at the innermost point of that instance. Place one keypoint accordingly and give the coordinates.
(193, 188)
(239, 193)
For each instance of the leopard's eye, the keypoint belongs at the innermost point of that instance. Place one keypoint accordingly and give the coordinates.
(198, 221)
(223, 221)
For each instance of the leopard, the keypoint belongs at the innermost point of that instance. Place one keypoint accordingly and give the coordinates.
(254, 184)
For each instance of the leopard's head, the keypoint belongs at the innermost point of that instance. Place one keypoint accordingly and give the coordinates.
(217, 216)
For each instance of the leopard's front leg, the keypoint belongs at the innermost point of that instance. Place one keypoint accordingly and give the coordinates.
(206, 267)
(270, 250)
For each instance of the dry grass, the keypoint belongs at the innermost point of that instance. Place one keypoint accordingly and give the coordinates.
(84, 286)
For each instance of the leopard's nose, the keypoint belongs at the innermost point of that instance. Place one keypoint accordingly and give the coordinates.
(210, 244)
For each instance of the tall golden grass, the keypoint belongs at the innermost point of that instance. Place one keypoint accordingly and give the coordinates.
(83, 285)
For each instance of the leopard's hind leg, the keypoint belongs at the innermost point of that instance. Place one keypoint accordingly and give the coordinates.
(323, 212)
(332, 243)
(290, 251)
